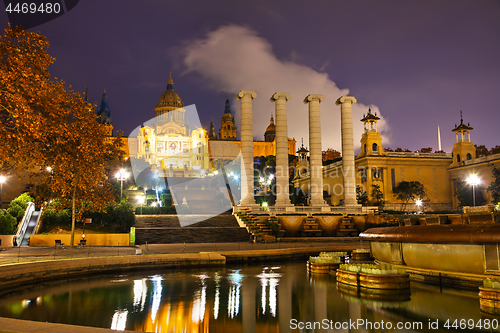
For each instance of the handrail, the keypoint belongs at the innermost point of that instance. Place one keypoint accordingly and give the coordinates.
(21, 228)
(38, 222)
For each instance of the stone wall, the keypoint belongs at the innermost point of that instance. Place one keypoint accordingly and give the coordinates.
(190, 235)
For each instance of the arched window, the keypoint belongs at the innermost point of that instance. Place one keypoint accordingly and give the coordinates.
(364, 148)
(458, 157)
(374, 147)
(469, 156)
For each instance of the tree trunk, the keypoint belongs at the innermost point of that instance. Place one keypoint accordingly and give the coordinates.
(73, 213)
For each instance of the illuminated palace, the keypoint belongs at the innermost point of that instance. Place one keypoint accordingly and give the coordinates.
(439, 172)
(171, 143)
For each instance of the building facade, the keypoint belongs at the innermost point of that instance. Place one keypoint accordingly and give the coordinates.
(171, 144)
(439, 172)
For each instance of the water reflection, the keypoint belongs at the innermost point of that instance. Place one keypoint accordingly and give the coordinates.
(247, 299)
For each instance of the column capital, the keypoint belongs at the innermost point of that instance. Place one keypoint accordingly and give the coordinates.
(243, 93)
(278, 95)
(346, 99)
(311, 97)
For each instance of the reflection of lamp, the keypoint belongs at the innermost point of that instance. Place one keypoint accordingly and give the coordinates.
(121, 176)
(2, 180)
(474, 181)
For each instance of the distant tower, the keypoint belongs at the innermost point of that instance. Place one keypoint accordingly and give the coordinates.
(303, 163)
(463, 149)
(228, 130)
(104, 114)
(439, 140)
(270, 133)
(371, 140)
(211, 132)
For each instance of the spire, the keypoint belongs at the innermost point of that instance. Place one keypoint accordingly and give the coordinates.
(170, 82)
(211, 132)
(462, 127)
(227, 108)
(103, 111)
(439, 140)
(272, 122)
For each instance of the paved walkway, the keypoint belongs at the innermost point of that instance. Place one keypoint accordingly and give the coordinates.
(29, 254)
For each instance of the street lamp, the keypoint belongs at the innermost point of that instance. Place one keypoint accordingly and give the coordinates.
(141, 201)
(50, 170)
(121, 176)
(2, 180)
(474, 181)
(419, 203)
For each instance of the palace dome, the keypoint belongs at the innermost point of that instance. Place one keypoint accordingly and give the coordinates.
(169, 98)
(271, 127)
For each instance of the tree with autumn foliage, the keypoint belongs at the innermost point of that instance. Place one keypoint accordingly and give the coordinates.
(51, 132)
(330, 155)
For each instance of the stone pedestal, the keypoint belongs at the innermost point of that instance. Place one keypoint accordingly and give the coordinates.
(315, 152)
(348, 165)
(247, 175)
(282, 196)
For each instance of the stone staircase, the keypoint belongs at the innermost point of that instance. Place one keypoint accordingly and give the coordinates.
(172, 221)
(166, 229)
(310, 227)
(261, 231)
(347, 228)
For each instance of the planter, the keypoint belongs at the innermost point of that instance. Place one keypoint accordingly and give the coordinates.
(321, 268)
(370, 283)
(361, 256)
(489, 300)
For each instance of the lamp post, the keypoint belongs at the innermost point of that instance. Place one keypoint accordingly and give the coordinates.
(121, 176)
(50, 170)
(474, 181)
(2, 180)
(419, 204)
(141, 201)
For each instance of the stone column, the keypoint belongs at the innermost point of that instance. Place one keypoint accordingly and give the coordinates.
(316, 158)
(282, 198)
(348, 166)
(246, 126)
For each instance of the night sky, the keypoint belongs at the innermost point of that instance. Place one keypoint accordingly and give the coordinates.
(416, 63)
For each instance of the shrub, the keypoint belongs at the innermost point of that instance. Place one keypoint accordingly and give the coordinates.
(8, 223)
(53, 217)
(18, 206)
(117, 218)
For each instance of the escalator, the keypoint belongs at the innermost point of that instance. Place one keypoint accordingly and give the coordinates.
(28, 225)
(30, 229)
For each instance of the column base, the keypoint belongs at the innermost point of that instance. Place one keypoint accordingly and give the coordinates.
(283, 204)
(248, 204)
(318, 204)
(352, 205)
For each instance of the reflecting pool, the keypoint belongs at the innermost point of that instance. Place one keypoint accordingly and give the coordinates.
(258, 298)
